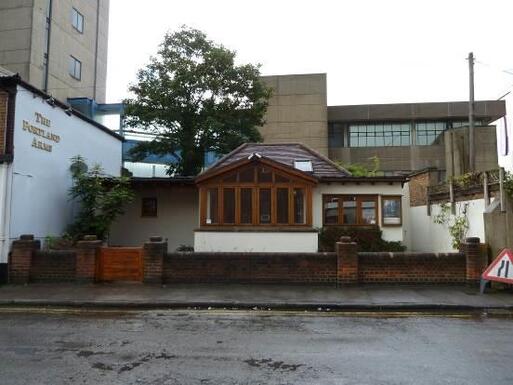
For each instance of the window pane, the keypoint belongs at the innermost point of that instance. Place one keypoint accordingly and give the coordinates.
(229, 205)
(230, 178)
(331, 211)
(282, 205)
(265, 174)
(246, 205)
(349, 207)
(368, 212)
(379, 134)
(149, 207)
(299, 206)
(247, 175)
(265, 205)
(280, 179)
(212, 207)
(391, 211)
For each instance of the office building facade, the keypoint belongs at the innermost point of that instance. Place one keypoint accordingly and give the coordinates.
(398, 138)
(58, 46)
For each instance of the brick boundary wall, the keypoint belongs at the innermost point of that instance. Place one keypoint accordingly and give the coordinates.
(53, 266)
(426, 268)
(344, 267)
(250, 267)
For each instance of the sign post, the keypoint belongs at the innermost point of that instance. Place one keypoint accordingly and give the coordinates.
(500, 270)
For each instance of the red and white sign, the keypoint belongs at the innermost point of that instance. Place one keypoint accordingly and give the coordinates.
(501, 269)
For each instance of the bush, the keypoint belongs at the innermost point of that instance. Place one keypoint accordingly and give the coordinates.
(368, 238)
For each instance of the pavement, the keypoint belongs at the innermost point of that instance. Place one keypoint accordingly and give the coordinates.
(293, 297)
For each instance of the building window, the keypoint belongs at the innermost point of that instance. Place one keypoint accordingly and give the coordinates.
(75, 68)
(335, 135)
(149, 207)
(350, 209)
(391, 211)
(77, 20)
(258, 196)
(303, 165)
(379, 135)
(429, 133)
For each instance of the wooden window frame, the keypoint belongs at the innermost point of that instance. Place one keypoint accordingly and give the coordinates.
(143, 213)
(359, 199)
(255, 186)
(396, 197)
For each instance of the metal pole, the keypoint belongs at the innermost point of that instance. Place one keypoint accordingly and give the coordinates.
(471, 149)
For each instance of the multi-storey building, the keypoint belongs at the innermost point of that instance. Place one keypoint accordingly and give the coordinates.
(58, 46)
(401, 137)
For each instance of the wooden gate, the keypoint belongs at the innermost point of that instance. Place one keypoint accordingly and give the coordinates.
(120, 264)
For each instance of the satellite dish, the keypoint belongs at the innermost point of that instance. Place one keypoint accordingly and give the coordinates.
(78, 167)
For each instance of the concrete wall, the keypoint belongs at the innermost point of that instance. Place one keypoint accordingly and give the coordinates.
(229, 241)
(499, 226)
(16, 35)
(423, 234)
(39, 179)
(177, 218)
(22, 45)
(297, 111)
(486, 150)
(390, 233)
(395, 158)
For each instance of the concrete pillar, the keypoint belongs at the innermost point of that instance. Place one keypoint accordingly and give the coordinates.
(21, 258)
(347, 261)
(153, 260)
(87, 254)
(476, 261)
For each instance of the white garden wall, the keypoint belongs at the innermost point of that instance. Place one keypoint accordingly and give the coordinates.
(424, 235)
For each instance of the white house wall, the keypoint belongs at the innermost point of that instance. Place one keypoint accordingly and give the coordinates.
(229, 241)
(427, 236)
(390, 233)
(177, 217)
(41, 179)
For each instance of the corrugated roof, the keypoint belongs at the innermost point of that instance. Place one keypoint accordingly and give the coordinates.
(285, 153)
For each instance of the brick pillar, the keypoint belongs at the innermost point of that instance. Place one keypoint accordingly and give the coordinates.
(21, 258)
(153, 260)
(347, 261)
(475, 260)
(87, 252)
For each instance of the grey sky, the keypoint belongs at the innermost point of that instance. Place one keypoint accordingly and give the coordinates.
(373, 51)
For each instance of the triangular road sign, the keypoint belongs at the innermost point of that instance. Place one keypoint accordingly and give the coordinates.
(501, 269)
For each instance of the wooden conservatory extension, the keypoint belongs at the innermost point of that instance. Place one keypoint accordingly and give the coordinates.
(258, 193)
(275, 197)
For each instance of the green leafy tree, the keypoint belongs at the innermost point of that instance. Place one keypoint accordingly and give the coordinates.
(194, 98)
(101, 199)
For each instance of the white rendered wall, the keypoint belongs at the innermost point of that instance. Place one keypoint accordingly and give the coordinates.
(41, 179)
(255, 241)
(427, 236)
(177, 217)
(390, 233)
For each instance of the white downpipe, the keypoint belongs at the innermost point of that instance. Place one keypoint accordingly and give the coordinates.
(5, 209)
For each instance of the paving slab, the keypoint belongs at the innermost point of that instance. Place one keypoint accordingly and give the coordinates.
(372, 297)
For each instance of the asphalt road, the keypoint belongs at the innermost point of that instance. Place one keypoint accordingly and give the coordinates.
(192, 347)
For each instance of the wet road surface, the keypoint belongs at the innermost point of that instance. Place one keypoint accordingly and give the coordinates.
(222, 347)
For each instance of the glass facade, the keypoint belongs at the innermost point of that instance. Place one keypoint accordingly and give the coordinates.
(379, 135)
(430, 132)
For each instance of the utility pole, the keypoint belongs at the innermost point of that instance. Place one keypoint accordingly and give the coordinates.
(471, 142)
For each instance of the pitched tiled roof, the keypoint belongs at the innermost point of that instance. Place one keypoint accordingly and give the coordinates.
(285, 153)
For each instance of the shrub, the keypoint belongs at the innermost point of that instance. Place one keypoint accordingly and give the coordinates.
(368, 238)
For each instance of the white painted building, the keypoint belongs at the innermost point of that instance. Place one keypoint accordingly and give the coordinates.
(260, 198)
(40, 136)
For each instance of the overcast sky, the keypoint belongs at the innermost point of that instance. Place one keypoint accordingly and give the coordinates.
(382, 51)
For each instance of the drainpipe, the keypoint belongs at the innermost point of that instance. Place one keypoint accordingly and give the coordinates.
(47, 48)
(96, 48)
